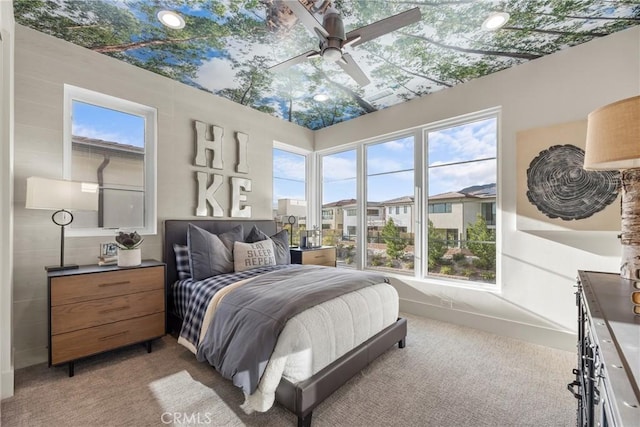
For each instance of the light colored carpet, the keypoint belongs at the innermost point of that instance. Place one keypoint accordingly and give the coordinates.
(447, 375)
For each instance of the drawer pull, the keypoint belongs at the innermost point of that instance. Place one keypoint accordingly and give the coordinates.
(104, 285)
(111, 310)
(113, 335)
(320, 256)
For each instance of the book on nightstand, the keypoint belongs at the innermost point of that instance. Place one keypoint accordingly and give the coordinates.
(107, 260)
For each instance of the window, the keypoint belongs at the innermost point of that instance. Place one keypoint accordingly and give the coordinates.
(450, 235)
(462, 167)
(290, 189)
(339, 188)
(111, 142)
(439, 207)
(327, 213)
(389, 172)
(489, 213)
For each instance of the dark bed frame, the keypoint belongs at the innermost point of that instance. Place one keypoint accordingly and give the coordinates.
(300, 398)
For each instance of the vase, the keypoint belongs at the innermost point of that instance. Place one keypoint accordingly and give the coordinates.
(129, 257)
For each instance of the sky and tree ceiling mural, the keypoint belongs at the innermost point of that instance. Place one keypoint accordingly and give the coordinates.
(227, 46)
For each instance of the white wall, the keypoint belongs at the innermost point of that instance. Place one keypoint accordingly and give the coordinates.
(538, 271)
(42, 65)
(6, 199)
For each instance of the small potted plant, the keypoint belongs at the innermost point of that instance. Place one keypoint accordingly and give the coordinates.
(129, 249)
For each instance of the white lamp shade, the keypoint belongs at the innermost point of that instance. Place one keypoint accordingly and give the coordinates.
(54, 194)
(613, 136)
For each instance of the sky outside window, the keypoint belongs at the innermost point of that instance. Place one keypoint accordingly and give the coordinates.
(92, 121)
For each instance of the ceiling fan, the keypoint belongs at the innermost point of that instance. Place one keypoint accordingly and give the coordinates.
(333, 38)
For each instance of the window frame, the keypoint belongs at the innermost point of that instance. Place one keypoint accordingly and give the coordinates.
(490, 113)
(421, 194)
(150, 116)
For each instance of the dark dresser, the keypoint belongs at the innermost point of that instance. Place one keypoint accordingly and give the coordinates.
(607, 383)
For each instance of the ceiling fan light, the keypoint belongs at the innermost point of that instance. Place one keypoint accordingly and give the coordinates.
(332, 54)
(495, 21)
(171, 19)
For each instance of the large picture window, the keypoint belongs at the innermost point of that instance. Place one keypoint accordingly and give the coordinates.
(290, 190)
(111, 142)
(438, 222)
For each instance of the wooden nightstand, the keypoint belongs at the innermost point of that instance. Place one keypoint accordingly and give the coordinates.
(325, 255)
(94, 309)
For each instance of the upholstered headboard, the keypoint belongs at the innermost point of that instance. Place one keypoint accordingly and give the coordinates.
(175, 231)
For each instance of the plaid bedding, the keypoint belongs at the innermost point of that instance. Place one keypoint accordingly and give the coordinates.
(191, 297)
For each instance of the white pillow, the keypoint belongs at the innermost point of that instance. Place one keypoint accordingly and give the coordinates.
(252, 255)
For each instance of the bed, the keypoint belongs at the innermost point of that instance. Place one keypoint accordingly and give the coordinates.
(303, 394)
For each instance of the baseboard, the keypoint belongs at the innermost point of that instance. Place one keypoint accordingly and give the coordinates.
(7, 385)
(561, 340)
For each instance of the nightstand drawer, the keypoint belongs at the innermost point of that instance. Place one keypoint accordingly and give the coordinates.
(85, 342)
(85, 287)
(71, 317)
(325, 256)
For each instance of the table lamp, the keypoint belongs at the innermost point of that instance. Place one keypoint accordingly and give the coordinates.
(63, 197)
(613, 142)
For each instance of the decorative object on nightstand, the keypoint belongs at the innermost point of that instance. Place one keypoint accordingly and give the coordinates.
(95, 309)
(613, 142)
(63, 197)
(291, 220)
(129, 254)
(311, 238)
(323, 255)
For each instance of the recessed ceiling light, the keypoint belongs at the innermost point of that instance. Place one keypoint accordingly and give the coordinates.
(321, 97)
(495, 21)
(171, 19)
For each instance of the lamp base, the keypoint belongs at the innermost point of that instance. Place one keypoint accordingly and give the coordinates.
(61, 267)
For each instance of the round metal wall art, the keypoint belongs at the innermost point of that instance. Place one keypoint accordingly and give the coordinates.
(559, 186)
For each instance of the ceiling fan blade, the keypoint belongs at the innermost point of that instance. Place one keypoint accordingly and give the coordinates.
(295, 60)
(384, 26)
(307, 18)
(350, 67)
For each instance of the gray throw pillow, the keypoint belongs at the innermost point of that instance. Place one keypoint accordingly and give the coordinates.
(280, 243)
(211, 254)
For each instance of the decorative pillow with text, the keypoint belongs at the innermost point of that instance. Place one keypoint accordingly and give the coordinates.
(252, 255)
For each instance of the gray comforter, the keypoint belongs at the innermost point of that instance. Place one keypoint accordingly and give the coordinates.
(248, 321)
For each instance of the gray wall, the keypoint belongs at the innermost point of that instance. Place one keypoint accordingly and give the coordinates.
(42, 65)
